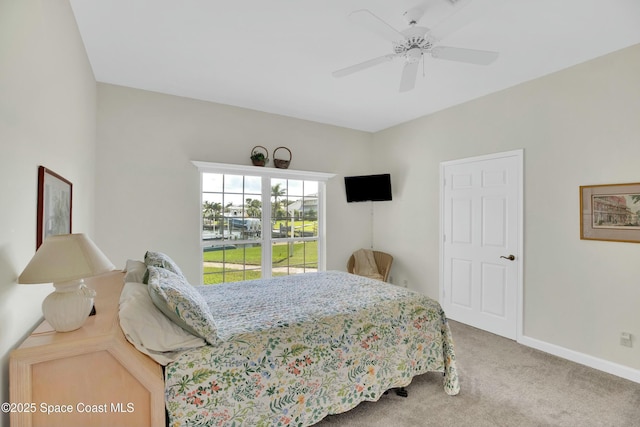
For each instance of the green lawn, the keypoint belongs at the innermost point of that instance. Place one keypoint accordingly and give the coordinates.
(241, 255)
(230, 276)
(251, 256)
(280, 254)
(297, 225)
(213, 275)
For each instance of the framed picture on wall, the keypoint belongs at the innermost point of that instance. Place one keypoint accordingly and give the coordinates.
(610, 212)
(54, 205)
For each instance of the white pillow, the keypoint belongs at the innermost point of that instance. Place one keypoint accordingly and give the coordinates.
(181, 303)
(149, 330)
(134, 271)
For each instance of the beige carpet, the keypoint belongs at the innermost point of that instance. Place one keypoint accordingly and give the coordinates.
(504, 384)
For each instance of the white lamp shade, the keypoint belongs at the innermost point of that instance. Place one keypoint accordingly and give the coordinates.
(63, 258)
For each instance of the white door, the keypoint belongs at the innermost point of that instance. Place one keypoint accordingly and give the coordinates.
(481, 280)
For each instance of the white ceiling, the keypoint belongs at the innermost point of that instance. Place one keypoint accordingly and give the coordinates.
(278, 55)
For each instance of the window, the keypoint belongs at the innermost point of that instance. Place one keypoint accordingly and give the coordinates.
(260, 222)
(294, 234)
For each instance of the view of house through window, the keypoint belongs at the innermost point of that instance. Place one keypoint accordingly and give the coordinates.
(258, 226)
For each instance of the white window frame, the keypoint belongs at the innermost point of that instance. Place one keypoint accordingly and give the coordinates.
(269, 173)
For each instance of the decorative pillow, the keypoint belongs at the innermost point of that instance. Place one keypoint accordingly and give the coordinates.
(180, 302)
(149, 330)
(134, 271)
(159, 259)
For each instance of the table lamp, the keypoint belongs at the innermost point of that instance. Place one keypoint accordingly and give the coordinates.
(65, 260)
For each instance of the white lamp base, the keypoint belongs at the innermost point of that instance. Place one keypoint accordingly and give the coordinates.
(67, 308)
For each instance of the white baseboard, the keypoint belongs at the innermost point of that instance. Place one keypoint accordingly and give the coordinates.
(583, 359)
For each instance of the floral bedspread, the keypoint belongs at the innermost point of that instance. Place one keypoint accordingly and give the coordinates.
(298, 348)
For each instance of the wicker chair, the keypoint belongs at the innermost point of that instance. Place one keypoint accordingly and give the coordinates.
(383, 261)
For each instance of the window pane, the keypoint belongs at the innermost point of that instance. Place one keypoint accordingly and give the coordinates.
(282, 183)
(253, 185)
(243, 228)
(278, 198)
(311, 188)
(233, 204)
(294, 257)
(309, 216)
(253, 207)
(295, 188)
(280, 254)
(311, 255)
(232, 263)
(233, 183)
(307, 228)
(211, 182)
(212, 221)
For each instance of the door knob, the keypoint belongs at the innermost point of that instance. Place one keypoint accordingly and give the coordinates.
(510, 257)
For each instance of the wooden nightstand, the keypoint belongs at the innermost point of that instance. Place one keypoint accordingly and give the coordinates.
(88, 377)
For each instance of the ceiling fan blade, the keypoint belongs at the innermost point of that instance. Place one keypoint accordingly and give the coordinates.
(363, 65)
(376, 25)
(465, 12)
(471, 56)
(409, 74)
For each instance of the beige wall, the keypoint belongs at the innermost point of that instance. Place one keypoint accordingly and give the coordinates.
(149, 190)
(577, 127)
(47, 117)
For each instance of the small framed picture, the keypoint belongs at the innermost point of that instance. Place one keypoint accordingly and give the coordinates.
(610, 212)
(54, 205)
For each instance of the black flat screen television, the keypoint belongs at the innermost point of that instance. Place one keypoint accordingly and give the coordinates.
(363, 188)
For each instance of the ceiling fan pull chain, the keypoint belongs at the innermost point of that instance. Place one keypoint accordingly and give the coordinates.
(423, 72)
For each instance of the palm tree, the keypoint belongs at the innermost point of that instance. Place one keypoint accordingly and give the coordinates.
(276, 192)
(207, 211)
(211, 211)
(254, 208)
(217, 210)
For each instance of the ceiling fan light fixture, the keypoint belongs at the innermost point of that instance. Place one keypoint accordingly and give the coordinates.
(415, 37)
(413, 55)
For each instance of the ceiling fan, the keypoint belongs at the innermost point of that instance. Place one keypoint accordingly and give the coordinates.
(413, 43)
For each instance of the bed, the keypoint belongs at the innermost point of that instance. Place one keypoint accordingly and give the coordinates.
(284, 351)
